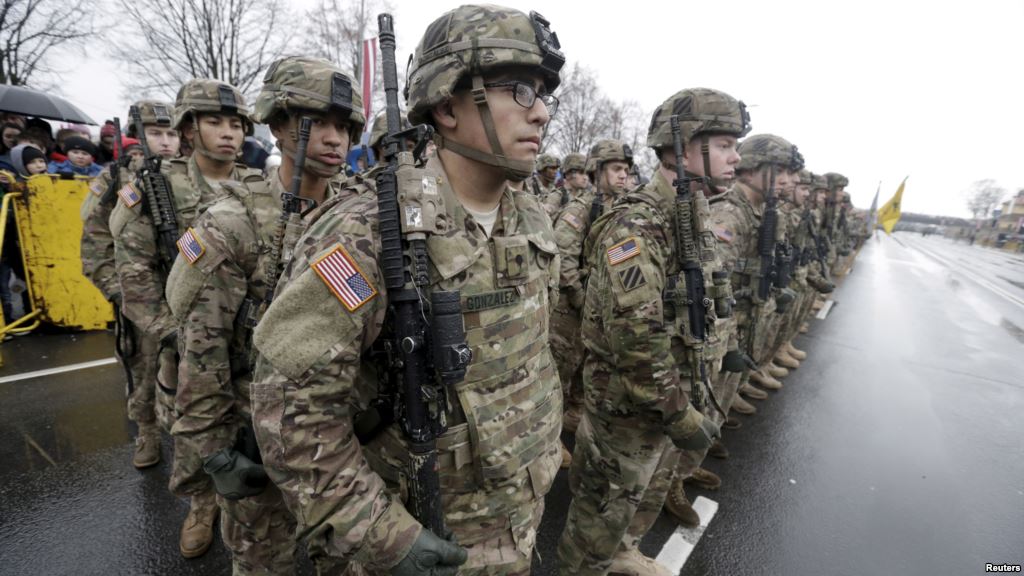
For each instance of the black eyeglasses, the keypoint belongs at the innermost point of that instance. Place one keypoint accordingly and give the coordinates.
(525, 95)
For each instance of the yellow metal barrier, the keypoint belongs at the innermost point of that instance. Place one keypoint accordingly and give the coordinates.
(50, 232)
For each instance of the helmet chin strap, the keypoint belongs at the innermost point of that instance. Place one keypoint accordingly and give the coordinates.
(515, 170)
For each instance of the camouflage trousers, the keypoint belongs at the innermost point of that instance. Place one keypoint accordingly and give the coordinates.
(260, 533)
(141, 364)
(568, 350)
(789, 322)
(620, 475)
(187, 476)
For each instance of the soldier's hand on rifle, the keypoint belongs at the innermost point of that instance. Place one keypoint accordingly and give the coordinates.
(431, 555)
(704, 431)
(234, 475)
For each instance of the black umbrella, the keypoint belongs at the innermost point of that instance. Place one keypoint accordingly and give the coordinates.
(29, 102)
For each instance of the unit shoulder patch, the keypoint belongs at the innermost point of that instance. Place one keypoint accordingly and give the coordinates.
(344, 278)
(623, 251)
(190, 246)
(632, 277)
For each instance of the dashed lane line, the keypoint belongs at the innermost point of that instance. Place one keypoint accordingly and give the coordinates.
(682, 542)
(58, 370)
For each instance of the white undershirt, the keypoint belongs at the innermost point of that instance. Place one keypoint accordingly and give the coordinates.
(486, 220)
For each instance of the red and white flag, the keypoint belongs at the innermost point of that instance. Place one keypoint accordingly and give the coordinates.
(369, 68)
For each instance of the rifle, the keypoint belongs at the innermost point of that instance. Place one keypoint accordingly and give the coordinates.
(110, 195)
(767, 272)
(157, 197)
(820, 249)
(425, 357)
(691, 295)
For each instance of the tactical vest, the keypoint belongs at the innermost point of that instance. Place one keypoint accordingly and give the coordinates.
(506, 413)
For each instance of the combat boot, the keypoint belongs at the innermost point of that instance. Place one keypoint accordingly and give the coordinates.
(762, 379)
(732, 423)
(782, 358)
(741, 406)
(632, 562)
(805, 328)
(197, 530)
(795, 352)
(752, 392)
(571, 417)
(679, 506)
(775, 371)
(718, 450)
(566, 457)
(147, 447)
(705, 479)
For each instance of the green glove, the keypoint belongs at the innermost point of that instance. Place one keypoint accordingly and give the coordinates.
(234, 475)
(706, 432)
(431, 556)
(737, 361)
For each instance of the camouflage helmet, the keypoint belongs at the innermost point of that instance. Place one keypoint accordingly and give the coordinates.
(769, 149)
(380, 128)
(836, 180)
(473, 40)
(608, 151)
(546, 161)
(806, 178)
(211, 96)
(819, 182)
(305, 83)
(152, 112)
(700, 111)
(574, 161)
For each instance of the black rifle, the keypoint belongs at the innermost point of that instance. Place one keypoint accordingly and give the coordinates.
(766, 275)
(157, 197)
(426, 357)
(820, 249)
(110, 195)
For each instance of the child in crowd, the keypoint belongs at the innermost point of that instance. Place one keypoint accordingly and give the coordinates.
(80, 153)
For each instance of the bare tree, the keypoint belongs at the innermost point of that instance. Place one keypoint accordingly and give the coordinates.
(583, 113)
(177, 40)
(983, 197)
(30, 30)
(336, 30)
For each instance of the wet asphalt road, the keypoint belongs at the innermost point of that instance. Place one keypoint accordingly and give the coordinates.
(897, 448)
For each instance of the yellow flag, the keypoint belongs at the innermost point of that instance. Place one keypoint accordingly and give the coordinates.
(889, 213)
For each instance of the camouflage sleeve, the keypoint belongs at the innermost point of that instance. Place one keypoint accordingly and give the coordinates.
(725, 222)
(205, 297)
(552, 203)
(97, 247)
(628, 280)
(138, 270)
(569, 236)
(310, 342)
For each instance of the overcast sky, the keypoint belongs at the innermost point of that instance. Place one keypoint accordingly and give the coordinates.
(876, 90)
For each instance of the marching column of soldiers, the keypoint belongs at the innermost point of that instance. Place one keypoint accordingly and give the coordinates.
(260, 320)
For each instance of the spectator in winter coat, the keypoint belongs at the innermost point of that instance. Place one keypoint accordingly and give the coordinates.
(81, 154)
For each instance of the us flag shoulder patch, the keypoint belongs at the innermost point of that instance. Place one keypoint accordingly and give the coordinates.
(129, 195)
(623, 251)
(572, 220)
(723, 234)
(344, 278)
(190, 246)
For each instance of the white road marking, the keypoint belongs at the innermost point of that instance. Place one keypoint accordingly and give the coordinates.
(823, 313)
(58, 370)
(682, 542)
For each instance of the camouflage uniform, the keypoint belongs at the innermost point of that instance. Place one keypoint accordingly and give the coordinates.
(560, 196)
(571, 229)
(217, 298)
(641, 361)
(141, 273)
(500, 452)
(535, 184)
(136, 351)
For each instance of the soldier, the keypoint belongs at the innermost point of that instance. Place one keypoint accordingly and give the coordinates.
(574, 182)
(136, 351)
(482, 77)
(542, 182)
(766, 160)
(377, 133)
(213, 118)
(611, 161)
(831, 214)
(641, 355)
(217, 295)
